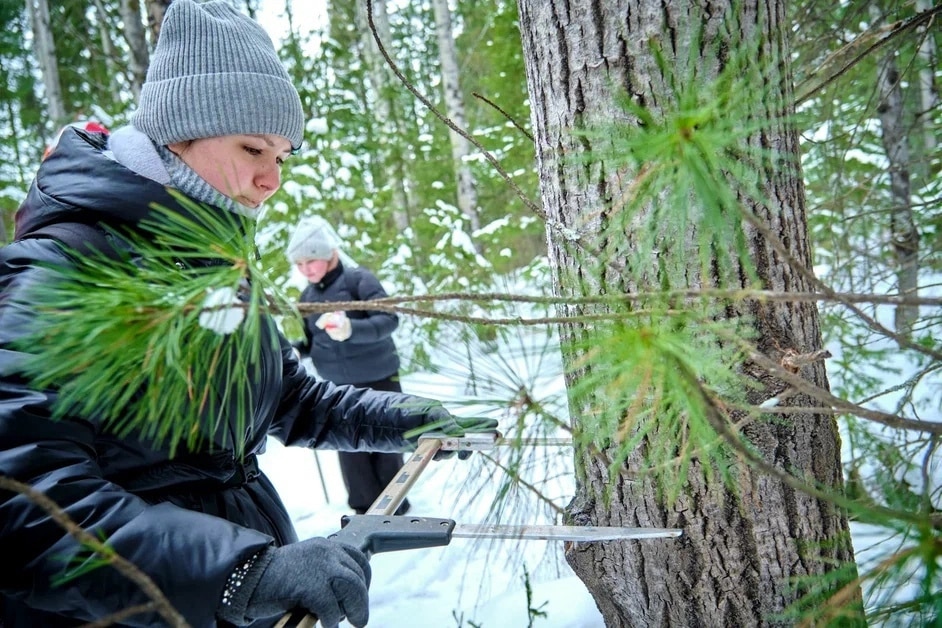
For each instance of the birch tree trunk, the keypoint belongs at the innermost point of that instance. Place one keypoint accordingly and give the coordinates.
(134, 35)
(928, 94)
(741, 550)
(387, 112)
(903, 233)
(107, 45)
(38, 11)
(454, 108)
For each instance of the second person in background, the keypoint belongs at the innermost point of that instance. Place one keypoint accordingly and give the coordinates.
(354, 347)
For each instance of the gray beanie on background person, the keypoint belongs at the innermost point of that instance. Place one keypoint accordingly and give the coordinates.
(215, 72)
(313, 238)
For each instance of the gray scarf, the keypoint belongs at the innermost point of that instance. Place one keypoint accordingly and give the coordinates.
(135, 151)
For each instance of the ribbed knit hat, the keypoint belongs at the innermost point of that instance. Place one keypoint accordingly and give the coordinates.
(313, 238)
(215, 72)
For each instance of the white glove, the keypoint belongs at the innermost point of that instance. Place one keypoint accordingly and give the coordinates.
(336, 324)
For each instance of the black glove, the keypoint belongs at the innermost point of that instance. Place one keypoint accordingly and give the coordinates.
(438, 419)
(328, 579)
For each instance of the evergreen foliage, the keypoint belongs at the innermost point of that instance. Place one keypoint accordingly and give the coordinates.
(20, 116)
(652, 352)
(146, 344)
(850, 219)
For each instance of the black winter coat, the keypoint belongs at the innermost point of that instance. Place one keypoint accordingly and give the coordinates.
(369, 354)
(187, 522)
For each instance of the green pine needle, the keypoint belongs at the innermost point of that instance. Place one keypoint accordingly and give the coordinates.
(641, 371)
(126, 341)
(689, 170)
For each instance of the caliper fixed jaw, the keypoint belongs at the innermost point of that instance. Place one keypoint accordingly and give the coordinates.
(482, 441)
(375, 534)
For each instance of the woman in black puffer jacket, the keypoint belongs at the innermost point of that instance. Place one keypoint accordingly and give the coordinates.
(205, 525)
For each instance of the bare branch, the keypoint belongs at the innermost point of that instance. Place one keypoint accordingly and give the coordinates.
(160, 603)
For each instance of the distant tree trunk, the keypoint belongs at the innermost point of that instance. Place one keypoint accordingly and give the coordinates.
(251, 9)
(134, 35)
(903, 233)
(38, 11)
(387, 113)
(928, 94)
(454, 108)
(108, 47)
(155, 17)
(742, 550)
(16, 131)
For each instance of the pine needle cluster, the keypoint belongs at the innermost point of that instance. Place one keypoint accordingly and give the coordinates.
(163, 340)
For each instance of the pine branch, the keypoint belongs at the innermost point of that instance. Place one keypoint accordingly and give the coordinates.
(145, 344)
(723, 426)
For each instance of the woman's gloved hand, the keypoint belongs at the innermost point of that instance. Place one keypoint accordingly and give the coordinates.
(438, 419)
(328, 579)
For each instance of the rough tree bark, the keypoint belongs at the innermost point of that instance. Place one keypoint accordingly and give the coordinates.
(740, 549)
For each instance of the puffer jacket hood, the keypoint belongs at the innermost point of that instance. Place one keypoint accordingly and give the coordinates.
(78, 182)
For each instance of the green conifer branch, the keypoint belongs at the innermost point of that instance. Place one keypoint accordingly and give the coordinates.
(142, 342)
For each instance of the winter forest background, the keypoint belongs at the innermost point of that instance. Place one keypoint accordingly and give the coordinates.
(513, 262)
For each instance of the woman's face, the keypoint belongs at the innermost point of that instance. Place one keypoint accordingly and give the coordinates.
(314, 269)
(246, 168)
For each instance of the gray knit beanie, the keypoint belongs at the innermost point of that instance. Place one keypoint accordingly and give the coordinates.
(313, 238)
(215, 72)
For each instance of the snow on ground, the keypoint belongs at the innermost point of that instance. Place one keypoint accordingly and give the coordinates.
(469, 583)
(462, 585)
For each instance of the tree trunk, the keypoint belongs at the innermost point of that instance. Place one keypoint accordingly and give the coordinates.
(741, 549)
(38, 11)
(454, 108)
(107, 46)
(134, 35)
(903, 233)
(387, 114)
(155, 17)
(928, 94)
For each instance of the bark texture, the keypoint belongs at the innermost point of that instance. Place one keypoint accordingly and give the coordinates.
(741, 548)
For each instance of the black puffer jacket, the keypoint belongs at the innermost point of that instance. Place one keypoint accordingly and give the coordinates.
(369, 354)
(186, 522)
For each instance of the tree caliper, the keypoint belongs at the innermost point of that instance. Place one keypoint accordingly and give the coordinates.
(380, 531)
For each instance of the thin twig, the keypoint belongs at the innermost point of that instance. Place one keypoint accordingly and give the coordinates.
(505, 114)
(821, 287)
(893, 31)
(126, 568)
(722, 425)
(519, 480)
(732, 294)
(568, 234)
(825, 396)
(447, 121)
